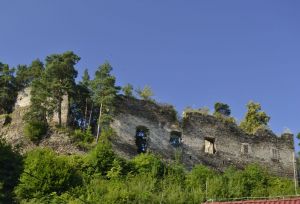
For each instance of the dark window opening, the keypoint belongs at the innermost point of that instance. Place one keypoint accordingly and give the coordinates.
(141, 139)
(175, 138)
(209, 145)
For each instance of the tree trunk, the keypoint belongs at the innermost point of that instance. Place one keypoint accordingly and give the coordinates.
(91, 112)
(99, 128)
(85, 114)
(59, 112)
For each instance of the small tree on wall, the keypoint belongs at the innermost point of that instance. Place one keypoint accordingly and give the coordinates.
(254, 118)
(222, 108)
(128, 90)
(146, 93)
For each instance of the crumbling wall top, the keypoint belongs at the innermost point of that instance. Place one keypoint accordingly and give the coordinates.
(261, 135)
(159, 113)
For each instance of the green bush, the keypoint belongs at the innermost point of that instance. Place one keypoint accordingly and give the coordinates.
(83, 136)
(148, 163)
(44, 173)
(100, 159)
(10, 169)
(34, 130)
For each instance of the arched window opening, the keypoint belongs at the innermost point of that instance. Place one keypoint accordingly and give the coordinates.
(175, 138)
(141, 135)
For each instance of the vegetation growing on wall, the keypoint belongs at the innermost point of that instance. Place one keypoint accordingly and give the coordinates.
(254, 119)
(101, 176)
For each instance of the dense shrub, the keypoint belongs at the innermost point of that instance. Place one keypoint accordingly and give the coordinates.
(102, 177)
(83, 136)
(34, 130)
(148, 163)
(100, 159)
(10, 169)
(44, 173)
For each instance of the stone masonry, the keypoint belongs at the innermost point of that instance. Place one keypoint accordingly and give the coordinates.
(203, 139)
(145, 126)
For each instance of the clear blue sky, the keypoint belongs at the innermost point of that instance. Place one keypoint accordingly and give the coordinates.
(192, 53)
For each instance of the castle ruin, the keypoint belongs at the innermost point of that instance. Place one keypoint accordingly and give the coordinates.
(144, 126)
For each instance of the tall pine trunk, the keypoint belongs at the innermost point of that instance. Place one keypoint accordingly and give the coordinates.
(59, 111)
(99, 128)
(91, 112)
(85, 114)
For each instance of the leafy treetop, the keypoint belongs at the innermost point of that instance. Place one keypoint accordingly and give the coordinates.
(254, 118)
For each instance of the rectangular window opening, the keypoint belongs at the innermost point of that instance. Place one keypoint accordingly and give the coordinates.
(209, 145)
(275, 154)
(245, 149)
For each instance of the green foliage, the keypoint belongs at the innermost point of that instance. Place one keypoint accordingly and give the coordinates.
(85, 78)
(222, 108)
(85, 136)
(81, 104)
(148, 163)
(100, 159)
(128, 90)
(104, 93)
(45, 173)
(60, 75)
(225, 119)
(41, 106)
(146, 93)
(10, 169)
(102, 177)
(25, 75)
(116, 170)
(198, 177)
(34, 130)
(203, 110)
(8, 90)
(254, 119)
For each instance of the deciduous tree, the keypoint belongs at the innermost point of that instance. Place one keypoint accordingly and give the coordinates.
(254, 118)
(146, 93)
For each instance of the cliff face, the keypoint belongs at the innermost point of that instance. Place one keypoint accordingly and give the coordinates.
(201, 139)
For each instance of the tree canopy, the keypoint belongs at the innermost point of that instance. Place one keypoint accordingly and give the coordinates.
(254, 119)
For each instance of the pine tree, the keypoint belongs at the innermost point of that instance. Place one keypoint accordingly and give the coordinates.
(81, 105)
(8, 89)
(127, 90)
(222, 108)
(104, 94)
(60, 74)
(25, 75)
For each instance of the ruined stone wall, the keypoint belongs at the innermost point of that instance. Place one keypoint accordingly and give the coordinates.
(13, 130)
(229, 141)
(23, 100)
(160, 120)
